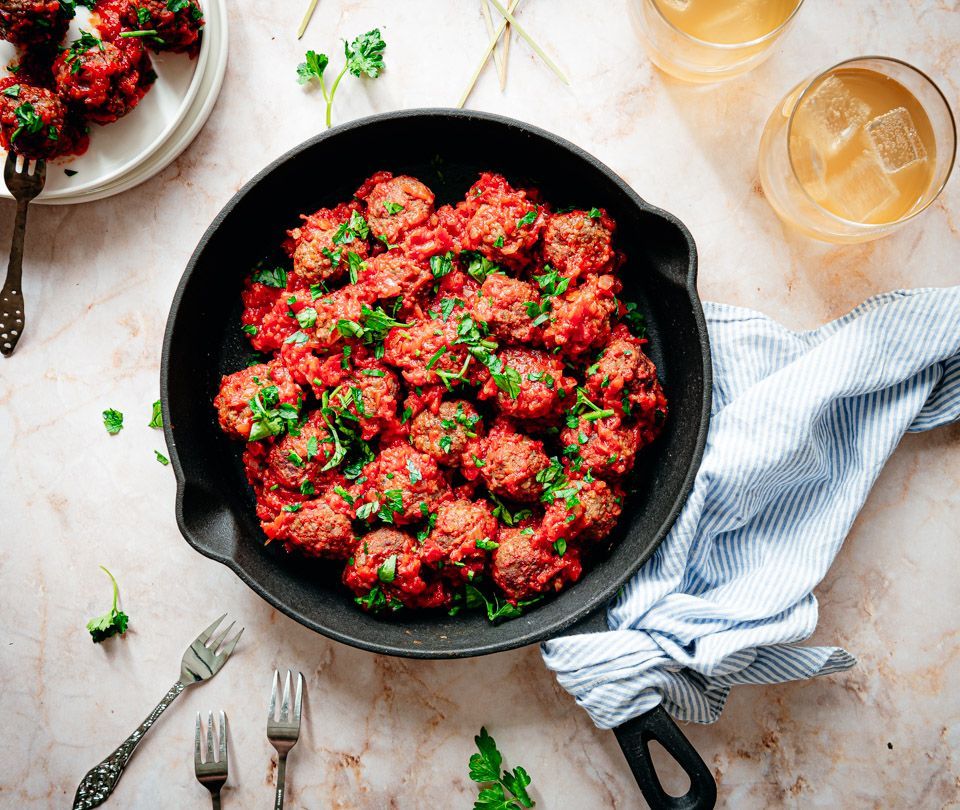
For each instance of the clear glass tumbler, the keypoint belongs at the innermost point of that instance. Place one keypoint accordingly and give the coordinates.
(710, 40)
(854, 152)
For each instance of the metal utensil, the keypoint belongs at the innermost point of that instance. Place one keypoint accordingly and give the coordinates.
(211, 768)
(283, 732)
(200, 662)
(24, 183)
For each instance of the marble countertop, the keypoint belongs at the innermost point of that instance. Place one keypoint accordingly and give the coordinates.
(384, 732)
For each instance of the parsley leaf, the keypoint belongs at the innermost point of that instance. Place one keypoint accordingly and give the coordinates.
(113, 421)
(313, 67)
(112, 622)
(527, 219)
(485, 769)
(388, 571)
(272, 277)
(635, 320)
(392, 208)
(156, 416)
(594, 213)
(161, 458)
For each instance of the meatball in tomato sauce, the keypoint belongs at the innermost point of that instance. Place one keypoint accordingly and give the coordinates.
(508, 462)
(33, 120)
(266, 387)
(444, 433)
(35, 22)
(396, 205)
(463, 535)
(579, 243)
(178, 23)
(544, 386)
(524, 566)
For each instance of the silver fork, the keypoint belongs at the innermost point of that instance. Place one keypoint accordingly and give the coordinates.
(24, 184)
(284, 731)
(211, 770)
(200, 662)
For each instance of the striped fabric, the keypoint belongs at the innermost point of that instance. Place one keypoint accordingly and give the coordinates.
(802, 423)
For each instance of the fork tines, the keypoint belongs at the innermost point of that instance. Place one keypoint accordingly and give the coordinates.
(210, 762)
(209, 652)
(284, 725)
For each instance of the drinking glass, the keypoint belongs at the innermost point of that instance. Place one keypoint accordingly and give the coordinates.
(709, 40)
(854, 152)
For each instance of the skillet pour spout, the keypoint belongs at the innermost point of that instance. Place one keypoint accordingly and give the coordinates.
(448, 149)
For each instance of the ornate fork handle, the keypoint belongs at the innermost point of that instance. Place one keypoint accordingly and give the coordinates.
(95, 788)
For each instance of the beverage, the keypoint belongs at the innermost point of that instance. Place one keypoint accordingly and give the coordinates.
(727, 22)
(862, 146)
(855, 152)
(709, 40)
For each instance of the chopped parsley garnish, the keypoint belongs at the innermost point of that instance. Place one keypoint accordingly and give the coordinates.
(586, 409)
(635, 320)
(502, 511)
(354, 228)
(307, 317)
(344, 494)
(498, 242)
(161, 458)
(375, 601)
(560, 546)
(441, 265)
(364, 56)
(113, 421)
(392, 208)
(373, 326)
(28, 120)
(249, 329)
(79, 47)
(551, 282)
(113, 622)
(272, 277)
(485, 769)
(486, 544)
(414, 470)
(270, 416)
(293, 507)
(478, 266)
(527, 219)
(13, 91)
(355, 266)
(496, 611)
(156, 415)
(594, 213)
(388, 571)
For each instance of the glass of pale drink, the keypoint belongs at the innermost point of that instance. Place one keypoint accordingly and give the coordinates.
(710, 40)
(858, 150)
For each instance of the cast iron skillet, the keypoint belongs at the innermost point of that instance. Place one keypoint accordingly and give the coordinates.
(446, 149)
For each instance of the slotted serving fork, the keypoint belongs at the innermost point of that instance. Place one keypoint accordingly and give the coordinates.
(211, 770)
(201, 661)
(284, 731)
(24, 184)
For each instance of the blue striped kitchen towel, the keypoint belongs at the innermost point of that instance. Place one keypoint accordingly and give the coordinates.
(802, 423)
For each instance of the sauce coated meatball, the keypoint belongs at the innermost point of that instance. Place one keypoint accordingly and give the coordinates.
(445, 433)
(387, 559)
(298, 460)
(424, 349)
(370, 395)
(544, 386)
(588, 516)
(505, 304)
(525, 566)
(606, 447)
(34, 22)
(271, 381)
(404, 484)
(501, 222)
(581, 319)
(178, 23)
(318, 528)
(461, 540)
(508, 462)
(392, 274)
(396, 205)
(576, 244)
(103, 80)
(625, 380)
(322, 245)
(32, 120)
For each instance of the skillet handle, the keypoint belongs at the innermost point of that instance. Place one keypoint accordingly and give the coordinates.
(634, 737)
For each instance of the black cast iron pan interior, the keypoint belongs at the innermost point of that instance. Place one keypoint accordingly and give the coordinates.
(446, 149)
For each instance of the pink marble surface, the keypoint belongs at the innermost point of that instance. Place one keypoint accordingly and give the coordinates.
(383, 732)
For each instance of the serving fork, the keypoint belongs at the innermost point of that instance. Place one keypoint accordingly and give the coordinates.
(284, 731)
(211, 769)
(24, 183)
(202, 660)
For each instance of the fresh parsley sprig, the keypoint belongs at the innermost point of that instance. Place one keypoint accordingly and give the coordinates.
(485, 769)
(111, 623)
(364, 56)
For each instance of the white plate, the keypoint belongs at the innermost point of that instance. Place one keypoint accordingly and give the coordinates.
(189, 127)
(117, 149)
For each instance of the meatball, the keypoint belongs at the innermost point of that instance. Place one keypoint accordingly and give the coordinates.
(606, 447)
(444, 433)
(464, 533)
(438, 235)
(396, 205)
(32, 120)
(580, 320)
(387, 560)
(392, 274)
(296, 462)
(625, 380)
(178, 23)
(370, 395)
(403, 484)
(589, 515)
(525, 566)
(509, 306)
(318, 528)
(501, 222)
(577, 244)
(322, 245)
(271, 383)
(426, 351)
(35, 22)
(508, 462)
(103, 80)
(543, 385)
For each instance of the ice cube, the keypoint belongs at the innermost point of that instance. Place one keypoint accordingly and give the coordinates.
(833, 114)
(809, 166)
(896, 140)
(861, 189)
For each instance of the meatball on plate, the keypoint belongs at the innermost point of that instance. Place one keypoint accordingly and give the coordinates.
(455, 397)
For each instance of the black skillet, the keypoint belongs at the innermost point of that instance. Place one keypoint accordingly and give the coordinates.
(446, 149)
